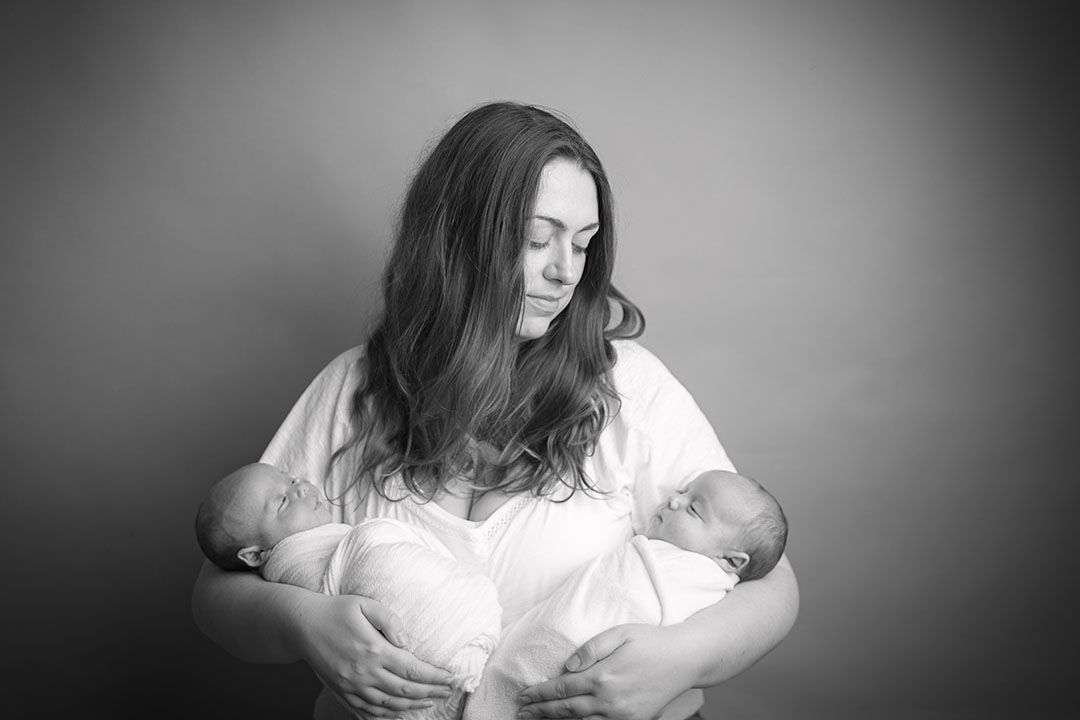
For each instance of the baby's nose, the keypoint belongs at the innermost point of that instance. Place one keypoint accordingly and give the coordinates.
(674, 502)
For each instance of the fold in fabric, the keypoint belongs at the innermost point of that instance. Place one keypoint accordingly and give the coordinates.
(450, 614)
(645, 581)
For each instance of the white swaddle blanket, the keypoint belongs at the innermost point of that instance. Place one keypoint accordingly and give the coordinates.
(301, 559)
(645, 581)
(451, 614)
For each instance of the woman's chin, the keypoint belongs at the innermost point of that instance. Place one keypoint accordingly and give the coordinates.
(532, 328)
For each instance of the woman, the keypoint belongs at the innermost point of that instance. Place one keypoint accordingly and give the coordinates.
(502, 404)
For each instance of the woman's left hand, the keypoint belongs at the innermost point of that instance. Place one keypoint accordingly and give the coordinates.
(629, 672)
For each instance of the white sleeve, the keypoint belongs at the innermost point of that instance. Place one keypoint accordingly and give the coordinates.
(666, 439)
(317, 426)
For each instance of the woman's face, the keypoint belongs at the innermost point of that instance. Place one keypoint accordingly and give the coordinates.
(564, 220)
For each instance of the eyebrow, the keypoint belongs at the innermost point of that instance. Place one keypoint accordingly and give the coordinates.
(562, 226)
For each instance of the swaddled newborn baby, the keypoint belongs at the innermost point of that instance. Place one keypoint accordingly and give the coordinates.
(723, 529)
(259, 518)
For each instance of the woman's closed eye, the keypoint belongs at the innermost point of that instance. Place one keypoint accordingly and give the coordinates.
(540, 245)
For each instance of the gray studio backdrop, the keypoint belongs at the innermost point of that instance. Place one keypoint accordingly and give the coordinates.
(845, 222)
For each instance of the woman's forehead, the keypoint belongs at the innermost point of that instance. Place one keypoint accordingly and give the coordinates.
(567, 193)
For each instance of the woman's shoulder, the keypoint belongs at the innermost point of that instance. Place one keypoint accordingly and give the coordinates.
(340, 377)
(659, 439)
(346, 365)
(650, 396)
(328, 398)
(631, 357)
(638, 373)
(319, 423)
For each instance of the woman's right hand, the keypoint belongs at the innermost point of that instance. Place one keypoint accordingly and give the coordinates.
(356, 647)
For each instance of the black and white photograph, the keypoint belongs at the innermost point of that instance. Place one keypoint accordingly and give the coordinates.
(490, 360)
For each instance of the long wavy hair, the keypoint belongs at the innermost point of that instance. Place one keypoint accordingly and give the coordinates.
(449, 393)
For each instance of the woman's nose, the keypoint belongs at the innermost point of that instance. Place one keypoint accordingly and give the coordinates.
(561, 267)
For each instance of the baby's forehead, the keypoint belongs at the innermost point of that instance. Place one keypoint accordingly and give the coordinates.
(720, 480)
(733, 491)
(260, 476)
(247, 487)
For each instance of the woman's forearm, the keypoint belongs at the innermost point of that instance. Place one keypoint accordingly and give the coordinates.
(615, 674)
(250, 618)
(742, 628)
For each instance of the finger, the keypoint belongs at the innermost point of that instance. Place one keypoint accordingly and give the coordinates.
(404, 667)
(560, 688)
(358, 708)
(366, 712)
(385, 621)
(375, 703)
(351, 703)
(377, 714)
(378, 700)
(572, 707)
(596, 649)
(408, 693)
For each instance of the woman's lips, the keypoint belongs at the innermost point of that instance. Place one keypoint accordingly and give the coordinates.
(546, 303)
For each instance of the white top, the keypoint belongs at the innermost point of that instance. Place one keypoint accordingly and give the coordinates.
(657, 443)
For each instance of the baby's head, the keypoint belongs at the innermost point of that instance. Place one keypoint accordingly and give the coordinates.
(250, 510)
(728, 517)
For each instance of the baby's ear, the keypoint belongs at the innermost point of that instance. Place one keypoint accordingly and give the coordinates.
(733, 561)
(252, 556)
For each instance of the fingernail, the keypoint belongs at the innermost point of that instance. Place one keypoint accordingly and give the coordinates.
(524, 699)
(573, 663)
(526, 714)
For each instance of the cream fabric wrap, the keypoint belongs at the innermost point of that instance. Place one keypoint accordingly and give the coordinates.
(451, 614)
(301, 559)
(645, 581)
